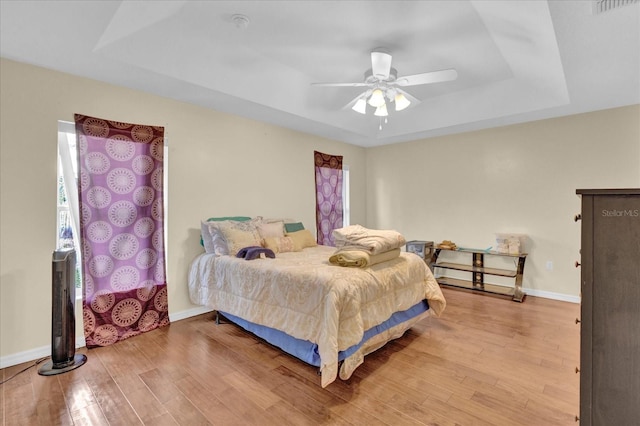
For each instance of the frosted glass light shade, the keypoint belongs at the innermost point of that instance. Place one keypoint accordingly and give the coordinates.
(377, 98)
(360, 106)
(381, 111)
(401, 102)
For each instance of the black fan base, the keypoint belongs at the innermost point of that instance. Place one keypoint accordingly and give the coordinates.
(48, 369)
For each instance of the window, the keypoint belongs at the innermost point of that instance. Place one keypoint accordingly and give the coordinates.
(67, 175)
(346, 210)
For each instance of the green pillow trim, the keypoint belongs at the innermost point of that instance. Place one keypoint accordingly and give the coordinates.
(293, 227)
(236, 218)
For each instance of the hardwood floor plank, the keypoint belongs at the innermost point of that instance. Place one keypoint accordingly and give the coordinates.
(19, 402)
(52, 412)
(245, 409)
(161, 387)
(113, 403)
(458, 416)
(140, 397)
(77, 393)
(285, 414)
(205, 400)
(260, 395)
(183, 411)
(419, 413)
(91, 415)
(474, 407)
(306, 404)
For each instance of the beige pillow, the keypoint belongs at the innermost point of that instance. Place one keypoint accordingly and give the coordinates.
(239, 235)
(280, 244)
(302, 239)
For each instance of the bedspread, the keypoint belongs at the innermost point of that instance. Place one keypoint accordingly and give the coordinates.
(301, 294)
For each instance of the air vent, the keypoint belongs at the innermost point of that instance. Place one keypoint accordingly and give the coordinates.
(600, 6)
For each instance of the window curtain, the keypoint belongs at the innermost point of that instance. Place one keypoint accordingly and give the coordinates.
(120, 191)
(329, 209)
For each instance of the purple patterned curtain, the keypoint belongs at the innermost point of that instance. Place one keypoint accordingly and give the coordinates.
(120, 191)
(328, 196)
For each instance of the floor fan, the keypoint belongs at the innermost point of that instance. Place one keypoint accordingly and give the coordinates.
(63, 322)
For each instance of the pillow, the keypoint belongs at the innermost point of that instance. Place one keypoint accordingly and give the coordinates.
(206, 240)
(239, 235)
(279, 244)
(271, 229)
(302, 239)
(293, 227)
(219, 219)
(213, 239)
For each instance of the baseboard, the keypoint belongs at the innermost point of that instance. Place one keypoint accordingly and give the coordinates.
(552, 295)
(45, 351)
(177, 316)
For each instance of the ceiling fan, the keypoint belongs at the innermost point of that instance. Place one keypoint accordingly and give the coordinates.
(383, 84)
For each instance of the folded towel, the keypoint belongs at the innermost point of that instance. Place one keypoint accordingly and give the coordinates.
(361, 258)
(373, 241)
(255, 252)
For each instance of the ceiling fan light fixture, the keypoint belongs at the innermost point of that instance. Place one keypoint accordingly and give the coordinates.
(360, 106)
(381, 111)
(377, 99)
(401, 102)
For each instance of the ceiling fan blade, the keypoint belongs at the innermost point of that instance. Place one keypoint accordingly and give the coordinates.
(340, 84)
(427, 77)
(380, 65)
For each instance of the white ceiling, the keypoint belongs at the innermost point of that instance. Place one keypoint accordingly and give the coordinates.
(517, 61)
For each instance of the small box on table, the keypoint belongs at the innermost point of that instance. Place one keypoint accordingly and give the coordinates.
(424, 249)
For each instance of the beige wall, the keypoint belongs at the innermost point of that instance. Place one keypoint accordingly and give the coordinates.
(521, 178)
(219, 164)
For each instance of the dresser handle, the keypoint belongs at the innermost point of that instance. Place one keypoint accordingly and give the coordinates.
(577, 321)
(577, 263)
(577, 217)
(577, 419)
(577, 370)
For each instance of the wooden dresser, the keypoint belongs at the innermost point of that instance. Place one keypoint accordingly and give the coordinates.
(610, 309)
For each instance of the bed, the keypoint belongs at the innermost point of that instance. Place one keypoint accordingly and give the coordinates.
(326, 315)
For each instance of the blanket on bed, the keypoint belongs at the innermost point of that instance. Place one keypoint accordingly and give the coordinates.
(373, 241)
(361, 258)
(303, 295)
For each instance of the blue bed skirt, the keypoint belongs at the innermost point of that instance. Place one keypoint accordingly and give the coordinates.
(307, 351)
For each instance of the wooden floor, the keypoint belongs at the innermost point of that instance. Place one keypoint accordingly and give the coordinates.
(486, 361)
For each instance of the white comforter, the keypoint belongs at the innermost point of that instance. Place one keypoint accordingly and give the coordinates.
(301, 294)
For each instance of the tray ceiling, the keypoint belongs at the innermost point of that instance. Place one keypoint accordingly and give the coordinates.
(516, 60)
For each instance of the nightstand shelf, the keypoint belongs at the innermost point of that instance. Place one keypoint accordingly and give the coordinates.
(478, 271)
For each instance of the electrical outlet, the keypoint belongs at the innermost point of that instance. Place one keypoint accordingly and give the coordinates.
(549, 265)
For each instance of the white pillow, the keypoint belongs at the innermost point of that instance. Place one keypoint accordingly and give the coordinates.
(213, 239)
